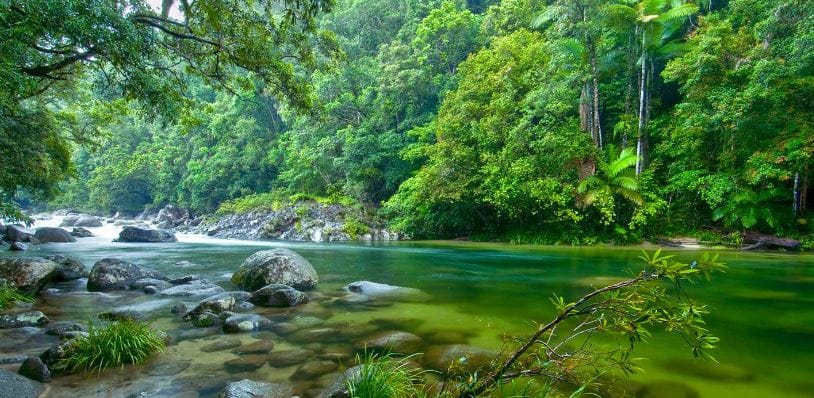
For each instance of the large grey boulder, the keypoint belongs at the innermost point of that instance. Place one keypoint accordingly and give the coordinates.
(114, 274)
(145, 235)
(70, 268)
(87, 222)
(28, 275)
(277, 295)
(53, 235)
(17, 233)
(17, 386)
(245, 323)
(254, 389)
(278, 266)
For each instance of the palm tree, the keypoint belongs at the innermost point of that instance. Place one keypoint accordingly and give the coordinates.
(617, 178)
(654, 23)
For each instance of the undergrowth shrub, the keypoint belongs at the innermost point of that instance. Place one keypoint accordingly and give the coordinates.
(118, 344)
(9, 295)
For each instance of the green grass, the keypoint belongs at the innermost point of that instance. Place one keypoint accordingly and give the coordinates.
(10, 295)
(118, 344)
(385, 377)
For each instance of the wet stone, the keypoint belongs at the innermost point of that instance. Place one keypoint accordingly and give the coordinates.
(222, 344)
(281, 359)
(316, 335)
(180, 308)
(246, 363)
(314, 369)
(25, 319)
(34, 369)
(257, 347)
(61, 328)
(392, 342)
(252, 389)
(17, 386)
(245, 323)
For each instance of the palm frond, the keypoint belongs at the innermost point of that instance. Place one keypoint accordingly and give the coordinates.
(676, 13)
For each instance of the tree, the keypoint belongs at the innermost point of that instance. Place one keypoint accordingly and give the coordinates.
(134, 52)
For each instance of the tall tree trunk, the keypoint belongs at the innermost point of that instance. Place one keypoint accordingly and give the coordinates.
(796, 195)
(585, 117)
(597, 127)
(631, 78)
(642, 108)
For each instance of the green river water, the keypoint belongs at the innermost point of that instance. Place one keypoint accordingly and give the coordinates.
(762, 309)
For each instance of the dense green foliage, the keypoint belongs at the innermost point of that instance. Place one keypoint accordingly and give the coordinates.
(9, 295)
(118, 344)
(556, 121)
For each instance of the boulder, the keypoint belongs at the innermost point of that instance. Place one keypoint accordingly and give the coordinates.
(339, 388)
(54, 356)
(458, 357)
(214, 304)
(278, 266)
(34, 369)
(392, 342)
(62, 329)
(81, 233)
(28, 275)
(156, 285)
(245, 323)
(88, 222)
(23, 319)
(278, 296)
(114, 274)
(17, 386)
(53, 235)
(18, 247)
(69, 221)
(135, 234)
(373, 289)
(70, 268)
(254, 389)
(17, 233)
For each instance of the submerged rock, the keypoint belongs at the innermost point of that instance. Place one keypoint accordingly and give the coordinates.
(114, 274)
(53, 235)
(392, 342)
(70, 268)
(246, 363)
(373, 289)
(28, 275)
(24, 319)
(276, 295)
(136, 234)
(254, 389)
(314, 369)
(17, 386)
(281, 359)
(278, 266)
(258, 347)
(222, 344)
(199, 288)
(458, 358)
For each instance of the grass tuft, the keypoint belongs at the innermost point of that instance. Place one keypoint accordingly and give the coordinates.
(118, 344)
(385, 377)
(9, 295)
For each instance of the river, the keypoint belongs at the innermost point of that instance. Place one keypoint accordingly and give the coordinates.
(762, 309)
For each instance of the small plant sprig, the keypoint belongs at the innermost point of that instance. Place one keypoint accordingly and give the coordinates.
(118, 344)
(384, 376)
(560, 351)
